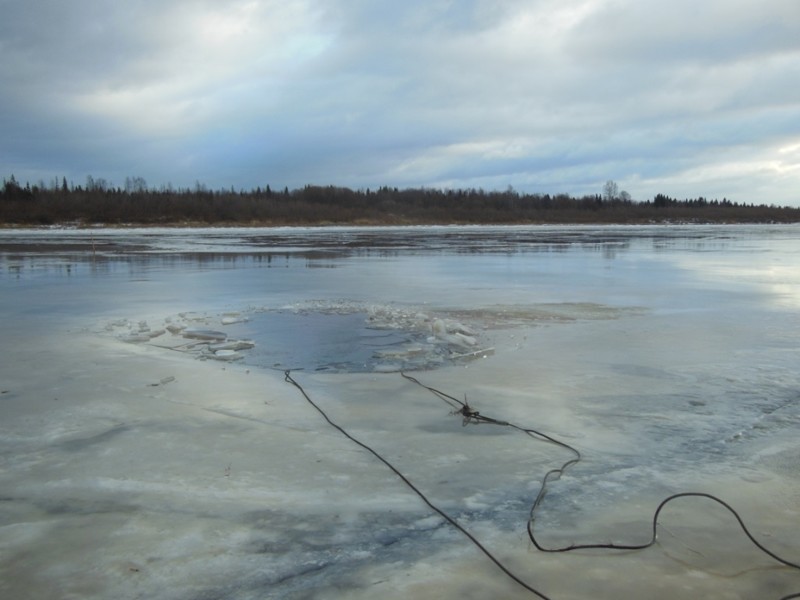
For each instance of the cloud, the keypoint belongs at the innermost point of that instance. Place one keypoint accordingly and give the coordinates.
(545, 95)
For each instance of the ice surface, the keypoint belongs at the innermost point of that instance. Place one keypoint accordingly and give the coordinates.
(134, 465)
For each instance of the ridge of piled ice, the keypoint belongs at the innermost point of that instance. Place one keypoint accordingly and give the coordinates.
(193, 334)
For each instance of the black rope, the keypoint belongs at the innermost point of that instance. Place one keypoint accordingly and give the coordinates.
(472, 416)
(444, 515)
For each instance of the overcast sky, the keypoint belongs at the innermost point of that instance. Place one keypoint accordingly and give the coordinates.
(684, 97)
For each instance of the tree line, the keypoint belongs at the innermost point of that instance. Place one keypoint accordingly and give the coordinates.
(97, 202)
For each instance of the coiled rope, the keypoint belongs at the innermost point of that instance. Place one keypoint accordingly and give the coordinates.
(471, 416)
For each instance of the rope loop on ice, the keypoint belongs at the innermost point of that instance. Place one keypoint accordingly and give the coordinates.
(476, 417)
(472, 416)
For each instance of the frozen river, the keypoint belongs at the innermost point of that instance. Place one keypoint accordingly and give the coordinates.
(150, 448)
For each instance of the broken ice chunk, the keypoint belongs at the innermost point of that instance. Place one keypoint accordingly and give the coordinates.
(401, 352)
(140, 336)
(467, 340)
(226, 355)
(133, 338)
(438, 328)
(232, 345)
(482, 353)
(231, 318)
(205, 334)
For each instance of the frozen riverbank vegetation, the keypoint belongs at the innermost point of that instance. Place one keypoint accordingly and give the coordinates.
(100, 203)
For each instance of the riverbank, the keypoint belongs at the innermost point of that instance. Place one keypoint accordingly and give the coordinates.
(330, 205)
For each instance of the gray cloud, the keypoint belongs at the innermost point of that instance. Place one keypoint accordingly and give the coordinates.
(684, 98)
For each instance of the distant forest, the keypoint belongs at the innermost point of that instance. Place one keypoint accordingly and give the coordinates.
(136, 204)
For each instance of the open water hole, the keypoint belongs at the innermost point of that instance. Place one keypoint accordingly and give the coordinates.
(317, 341)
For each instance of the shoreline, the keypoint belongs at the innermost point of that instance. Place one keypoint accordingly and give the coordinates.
(365, 223)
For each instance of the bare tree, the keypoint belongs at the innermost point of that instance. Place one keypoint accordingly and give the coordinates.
(98, 184)
(610, 190)
(135, 184)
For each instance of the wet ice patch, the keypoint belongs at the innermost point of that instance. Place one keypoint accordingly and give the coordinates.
(354, 337)
(322, 341)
